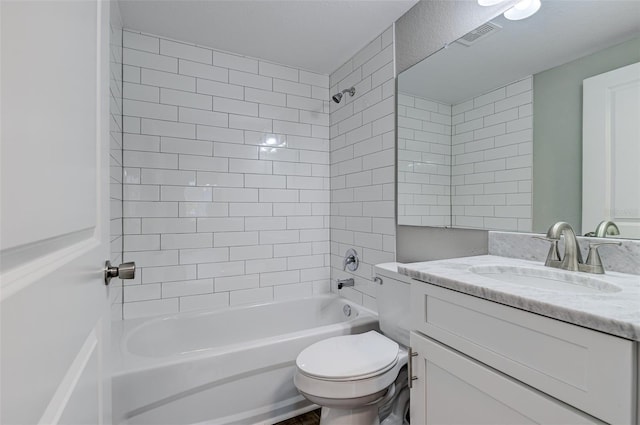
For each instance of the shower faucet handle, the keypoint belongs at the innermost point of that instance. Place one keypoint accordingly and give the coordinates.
(351, 260)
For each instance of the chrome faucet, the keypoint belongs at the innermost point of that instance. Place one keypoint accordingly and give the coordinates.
(606, 228)
(345, 282)
(572, 258)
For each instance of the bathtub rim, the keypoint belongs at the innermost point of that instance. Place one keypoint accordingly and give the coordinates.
(124, 361)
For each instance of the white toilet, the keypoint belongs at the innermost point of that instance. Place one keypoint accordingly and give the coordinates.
(352, 376)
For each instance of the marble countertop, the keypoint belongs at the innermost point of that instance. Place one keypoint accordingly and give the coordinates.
(616, 313)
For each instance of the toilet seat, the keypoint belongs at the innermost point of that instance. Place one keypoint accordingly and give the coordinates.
(349, 357)
(359, 370)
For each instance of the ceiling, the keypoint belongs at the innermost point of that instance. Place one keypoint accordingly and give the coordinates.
(560, 32)
(316, 35)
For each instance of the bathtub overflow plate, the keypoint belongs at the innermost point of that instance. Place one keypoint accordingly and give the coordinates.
(347, 310)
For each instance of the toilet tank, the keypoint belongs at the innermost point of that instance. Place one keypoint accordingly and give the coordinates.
(393, 303)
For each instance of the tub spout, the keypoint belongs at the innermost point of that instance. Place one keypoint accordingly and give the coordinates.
(345, 282)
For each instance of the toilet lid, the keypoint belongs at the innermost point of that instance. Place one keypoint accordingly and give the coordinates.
(348, 356)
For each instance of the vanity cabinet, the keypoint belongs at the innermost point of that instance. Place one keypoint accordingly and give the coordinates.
(481, 362)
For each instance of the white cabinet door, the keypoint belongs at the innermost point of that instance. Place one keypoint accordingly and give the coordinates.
(54, 212)
(611, 150)
(454, 389)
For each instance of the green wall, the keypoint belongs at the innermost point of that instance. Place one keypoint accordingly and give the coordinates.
(557, 134)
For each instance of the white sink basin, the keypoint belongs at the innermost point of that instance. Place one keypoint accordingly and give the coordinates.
(546, 278)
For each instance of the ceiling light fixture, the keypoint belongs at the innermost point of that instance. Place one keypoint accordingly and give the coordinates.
(522, 10)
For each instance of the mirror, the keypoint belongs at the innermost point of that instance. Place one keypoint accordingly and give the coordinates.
(490, 127)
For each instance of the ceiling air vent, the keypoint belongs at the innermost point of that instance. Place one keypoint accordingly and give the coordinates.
(479, 33)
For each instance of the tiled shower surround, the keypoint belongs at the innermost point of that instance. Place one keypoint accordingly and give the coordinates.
(226, 178)
(362, 166)
(490, 142)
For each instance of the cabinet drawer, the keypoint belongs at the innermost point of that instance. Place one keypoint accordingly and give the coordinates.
(454, 389)
(583, 368)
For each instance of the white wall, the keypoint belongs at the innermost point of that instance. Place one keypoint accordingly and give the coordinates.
(363, 166)
(115, 151)
(226, 187)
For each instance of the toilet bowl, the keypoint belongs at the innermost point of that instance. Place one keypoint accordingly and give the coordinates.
(352, 376)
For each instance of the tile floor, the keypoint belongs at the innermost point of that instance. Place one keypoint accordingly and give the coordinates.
(309, 418)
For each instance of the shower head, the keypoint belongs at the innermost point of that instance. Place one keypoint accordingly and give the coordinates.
(338, 96)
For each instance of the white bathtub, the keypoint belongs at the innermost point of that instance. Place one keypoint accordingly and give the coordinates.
(233, 366)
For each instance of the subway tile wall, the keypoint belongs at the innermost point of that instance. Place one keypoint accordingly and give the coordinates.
(226, 178)
(492, 145)
(115, 150)
(424, 162)
(363, 166)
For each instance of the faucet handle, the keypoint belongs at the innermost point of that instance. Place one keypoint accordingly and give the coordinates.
(594, 262)
(554, 253)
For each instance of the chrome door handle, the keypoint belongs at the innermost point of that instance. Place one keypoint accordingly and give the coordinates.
(123, 271)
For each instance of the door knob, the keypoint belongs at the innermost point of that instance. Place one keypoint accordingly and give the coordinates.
(123, 271)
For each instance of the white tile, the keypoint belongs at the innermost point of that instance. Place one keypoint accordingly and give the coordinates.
(314, 79)
(186, 146)
(136, 192)
(291, 87)
(168, 177)
(279, 278)
(219, 179)
(202, 163)
(250, 296)
(279, 113)
(235, 239)
(265, 223)
(185, 51)
(250, 166)
(235, 106)
(292, 249)
(235, 283)
(279, 195)
(150, 159)
(178, 193)
(149, 60)
(203, 209)
(250, 80)
(220, 89)
(140, 142)
(140, 92)
(131, 74)
(153, 258)
(266, 265)
(297, 129)
(264, 97)
(233, 268)
(191, 100)
(250, 209)
(279, 236)
(186, 240)
(167, 128)
(235, 195)
(169, 80)
(140, 42)
(168, 225)
(235, 62)
(252, 252)
(278, 71)
(186, 288)
(168, 274)
(265, 181)
(200, 70)
(219, 134)
(250, 123)
(222, 224)
(149, 209)
(141, 242)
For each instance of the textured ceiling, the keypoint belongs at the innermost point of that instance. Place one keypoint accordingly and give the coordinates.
(317, 35)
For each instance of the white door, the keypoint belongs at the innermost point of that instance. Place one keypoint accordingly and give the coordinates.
(54, 212)
(611, 150)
